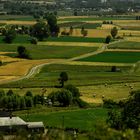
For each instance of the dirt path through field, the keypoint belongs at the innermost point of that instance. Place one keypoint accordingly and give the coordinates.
(28, 68)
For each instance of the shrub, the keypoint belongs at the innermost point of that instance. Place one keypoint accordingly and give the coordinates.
(22, 52)
(80, 103)
(0, 63)
(113, 69)
(64, 97)
(108, 39)
(108, 103)
(74, 90)
(34, 41)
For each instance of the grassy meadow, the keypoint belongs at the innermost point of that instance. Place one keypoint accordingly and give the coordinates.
(71, 119)
(114, 56)
(91, 74)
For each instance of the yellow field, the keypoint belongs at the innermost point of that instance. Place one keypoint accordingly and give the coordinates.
(128, 32)
(108, 26)
(94, 63)
(21, 68)
(116, 92)
(17, 22)
(91, 32)
(83, 44)
(133, 39)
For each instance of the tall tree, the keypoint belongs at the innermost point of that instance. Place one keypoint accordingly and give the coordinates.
(63, 78)
(52, 22)
(40, 30)
(10, 35)
(114, 32)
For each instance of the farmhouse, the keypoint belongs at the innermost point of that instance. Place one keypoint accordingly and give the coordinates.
(14, 124)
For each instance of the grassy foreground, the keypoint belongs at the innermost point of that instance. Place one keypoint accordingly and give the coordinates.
(83, 119)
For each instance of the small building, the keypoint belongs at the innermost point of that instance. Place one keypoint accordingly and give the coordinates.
(37, 127)
(14, 124)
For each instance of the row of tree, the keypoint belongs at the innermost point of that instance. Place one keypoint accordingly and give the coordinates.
(42, 29)
(12, 101)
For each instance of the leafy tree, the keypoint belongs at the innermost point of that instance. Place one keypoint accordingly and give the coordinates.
(114, 32)
(10, 35)
(10, 92)
(22, 52)
(28, 101)
(52, 22)
(108, 39)
(71, 30)
(40, 30)
(63, 78)
(64, 97)
(29, 93)
(22, 103)
(34, 41)
(0, 63)
(113, 69)
(128, 115)
(74, 90)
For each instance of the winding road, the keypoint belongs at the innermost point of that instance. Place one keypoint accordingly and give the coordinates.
(34, 70)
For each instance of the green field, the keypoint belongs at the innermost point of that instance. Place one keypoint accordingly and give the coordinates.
(25, 39)
(125, 45)
(16, 17)
(79, 75)
(80, 119)
(47, 52)
(20, 39)
(115, 57)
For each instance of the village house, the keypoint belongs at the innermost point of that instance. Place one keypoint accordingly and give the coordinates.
(14, 124)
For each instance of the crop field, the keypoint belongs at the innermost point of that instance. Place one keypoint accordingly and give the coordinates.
(72, 119)
(76, 39)
(86, 25)
(125, 45)
(79, 75)
(115, 56)
(16, 17)
(88, 61)
(20, 39)
(95, 18)
(92, 33)
(49, 52)
(81, 44)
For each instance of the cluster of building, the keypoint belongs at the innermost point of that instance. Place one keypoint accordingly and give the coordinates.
(11, 124)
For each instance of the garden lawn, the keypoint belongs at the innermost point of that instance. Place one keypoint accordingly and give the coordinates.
(79, 119)
(115, 57)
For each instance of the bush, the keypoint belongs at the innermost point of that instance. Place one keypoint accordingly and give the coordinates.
(22, 52)
(108, 103)
(74, 90)
(0, 63)
(113, 69)
(64, 97)
(34, 41)
(108, 39)
(80, 103)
